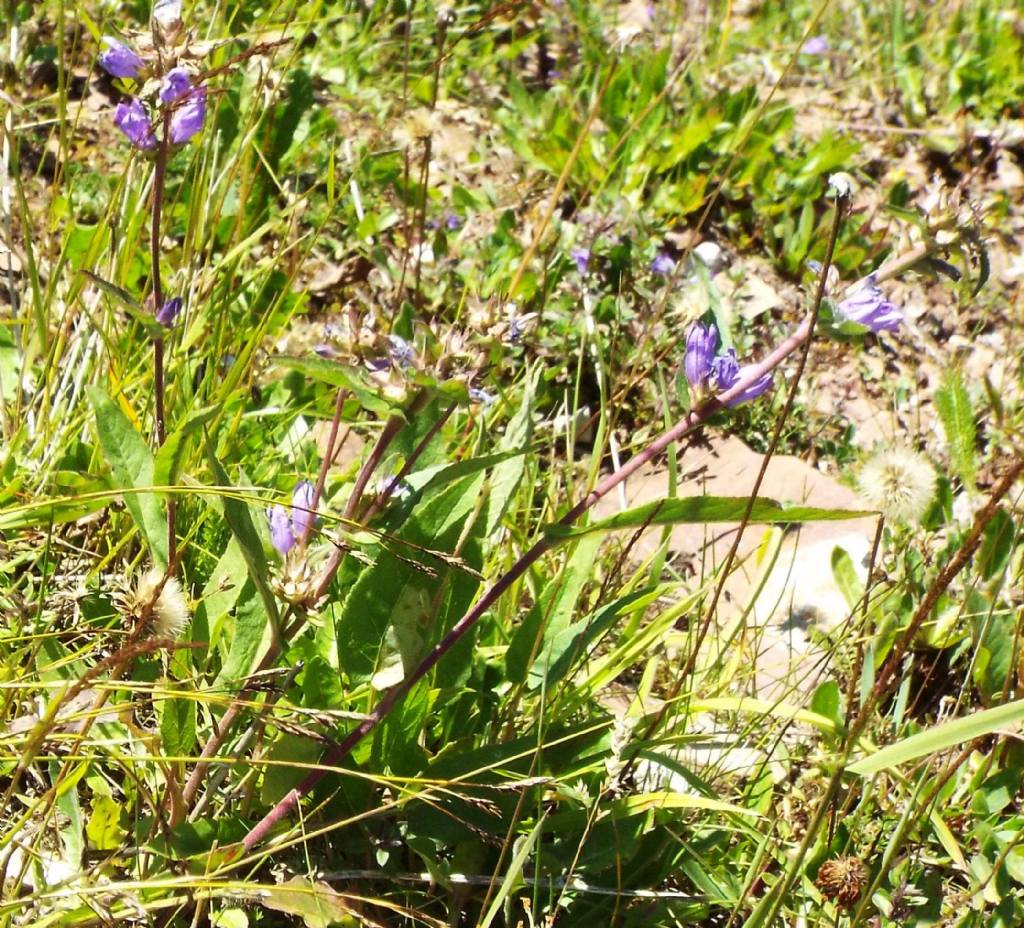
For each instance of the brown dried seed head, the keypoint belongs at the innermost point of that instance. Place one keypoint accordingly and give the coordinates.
(842, 880)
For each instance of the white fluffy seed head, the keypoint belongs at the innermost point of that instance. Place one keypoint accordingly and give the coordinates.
(898, 482)
(170, 614)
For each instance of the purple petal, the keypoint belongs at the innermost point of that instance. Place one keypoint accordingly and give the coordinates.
(119, 60)
(754, 390)
(701, 342)
(280, 529)
(663, 264)
(815, 45)
(167, 313)
(188, 118)
(400, 350)
(582, 258)
(868, 307)
(131, 118)
(725, 370)
(175, 85)
(452, 221)
(303, 513)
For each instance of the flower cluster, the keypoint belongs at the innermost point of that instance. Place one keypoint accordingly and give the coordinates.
(707, 369)
(291, 525)
(186, 101)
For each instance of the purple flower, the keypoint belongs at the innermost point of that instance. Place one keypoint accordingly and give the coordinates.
(119, 60)
(663, 263)
(582, 258)
(400, 350)
(701, 344)
(167, 313)
(292, 524)
(281, 534)
(752, 392)
(188, 118)
(480, 396)
(725, 370)
(869, 308)
(815, 45)
(132, 120)
(175, 85)
(303, 512)
(452, 221)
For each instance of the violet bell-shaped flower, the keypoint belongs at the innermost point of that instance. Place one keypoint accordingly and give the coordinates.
(707, 370)
(303, 511)
(167, 313)
(701, 344)
(119, 60)
(281, 535)
(175, 85)
(663, 263)
(868, 307)
(292, 524)
(131, 118)
(753, 390)
(188, 118)
(582, 258)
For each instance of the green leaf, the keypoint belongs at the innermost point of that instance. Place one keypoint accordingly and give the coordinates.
(316, 904)
(291, 755)
(569, 645)
(338, 374)
(239, 520)
(995, 649)
(168, 458)
(507, 475)
(178, 726)
(104, 826)
(706, 509)
(954, 408)
(939, 738)
(402, 605)
(997, 544)
(827, 701)
(549, 616)
(251, 638)
(131, 464)
(845, 574)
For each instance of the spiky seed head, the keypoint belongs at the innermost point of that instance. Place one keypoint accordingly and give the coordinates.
(898, 482)
(842, 880)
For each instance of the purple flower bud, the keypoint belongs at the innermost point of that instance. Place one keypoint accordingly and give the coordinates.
(303, 513)
(869, 308)
(725, 370)
(815, 45)
(759, 386)
(701, 342)
(175, 85)
(663, 264)
(280, 529)
(132, 120)
(167, 313)
(119, 60)
(582, 258)
(188, 118)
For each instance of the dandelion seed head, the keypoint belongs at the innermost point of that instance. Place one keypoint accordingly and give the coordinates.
(898, 482)
(169, 613)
